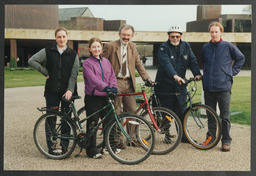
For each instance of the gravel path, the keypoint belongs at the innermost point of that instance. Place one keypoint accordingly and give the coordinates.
(20, 152)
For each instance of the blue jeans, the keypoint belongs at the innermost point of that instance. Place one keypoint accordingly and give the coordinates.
(223, 100)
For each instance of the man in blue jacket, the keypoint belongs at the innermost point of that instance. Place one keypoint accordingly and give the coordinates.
(222, 60)
(175, 57)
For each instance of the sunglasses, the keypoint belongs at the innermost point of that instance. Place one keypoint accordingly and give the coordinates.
(175, 36)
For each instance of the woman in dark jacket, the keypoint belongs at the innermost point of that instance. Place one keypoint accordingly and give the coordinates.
(59, 64)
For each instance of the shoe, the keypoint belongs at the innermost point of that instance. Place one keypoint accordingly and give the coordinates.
(225, 148)
(134, 144)
(97, 156)
(118, 150)
(55, 152)
(104, 151)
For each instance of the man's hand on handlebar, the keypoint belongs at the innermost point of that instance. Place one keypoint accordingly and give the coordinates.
(148, 82)
(179, 79)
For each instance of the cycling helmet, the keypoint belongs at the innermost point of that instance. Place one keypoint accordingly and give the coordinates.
(174, 29)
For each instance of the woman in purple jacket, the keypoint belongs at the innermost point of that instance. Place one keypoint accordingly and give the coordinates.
(99, 78)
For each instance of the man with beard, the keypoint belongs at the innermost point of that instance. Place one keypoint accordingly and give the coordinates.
(175, 57)
(124, 57)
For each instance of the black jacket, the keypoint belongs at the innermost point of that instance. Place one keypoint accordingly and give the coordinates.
(59, 68)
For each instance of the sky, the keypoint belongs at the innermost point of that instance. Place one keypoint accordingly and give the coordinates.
(153, 17)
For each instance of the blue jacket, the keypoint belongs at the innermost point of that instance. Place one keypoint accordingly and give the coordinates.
(218, 68)
(174, 60)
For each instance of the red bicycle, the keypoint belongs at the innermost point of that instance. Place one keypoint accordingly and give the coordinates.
(166, 124)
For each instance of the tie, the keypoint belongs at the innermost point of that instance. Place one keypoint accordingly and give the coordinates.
(124, 62)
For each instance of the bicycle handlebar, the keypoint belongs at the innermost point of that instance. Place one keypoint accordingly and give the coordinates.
(190, 80)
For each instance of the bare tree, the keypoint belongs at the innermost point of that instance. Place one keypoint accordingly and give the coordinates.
(248, 9)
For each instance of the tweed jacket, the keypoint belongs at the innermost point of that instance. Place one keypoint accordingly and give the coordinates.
(112, 51)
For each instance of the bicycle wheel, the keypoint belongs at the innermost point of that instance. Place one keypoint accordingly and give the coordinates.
(170, 130)
(99, 137)
(54, 137)
(202, 126)
(138, 129)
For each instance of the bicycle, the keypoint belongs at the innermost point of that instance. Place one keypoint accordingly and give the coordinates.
(201, 124)
(166, 124)
(63, 144)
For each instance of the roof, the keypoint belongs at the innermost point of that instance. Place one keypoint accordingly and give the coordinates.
(67, 13)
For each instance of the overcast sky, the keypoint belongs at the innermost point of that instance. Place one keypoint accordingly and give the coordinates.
(152, 17)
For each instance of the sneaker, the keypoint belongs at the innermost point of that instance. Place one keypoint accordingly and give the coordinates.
(97, 156)
(55, 152)
(225, 148)
(104, 151)
(118, 150)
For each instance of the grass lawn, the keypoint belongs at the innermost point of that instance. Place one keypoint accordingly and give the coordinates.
(240, 99)
(26, 78)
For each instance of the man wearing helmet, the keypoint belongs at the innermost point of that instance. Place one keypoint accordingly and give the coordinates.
(174, 57)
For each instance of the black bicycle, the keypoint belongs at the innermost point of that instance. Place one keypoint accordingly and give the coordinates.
(201, 124)
(57, 138)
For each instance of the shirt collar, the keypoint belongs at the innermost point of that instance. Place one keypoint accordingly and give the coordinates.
(61, 51)
(217, 41)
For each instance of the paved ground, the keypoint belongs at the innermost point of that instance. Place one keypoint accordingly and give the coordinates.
(20, 152)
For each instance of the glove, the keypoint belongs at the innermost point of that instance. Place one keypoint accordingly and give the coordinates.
(114, 90)
(106, 89)
(148, 83)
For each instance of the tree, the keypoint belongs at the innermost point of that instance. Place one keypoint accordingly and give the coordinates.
(248, 9)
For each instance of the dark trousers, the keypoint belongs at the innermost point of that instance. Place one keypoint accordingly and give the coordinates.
(53, 101)
(93, 104)
(223, 100)
(175, 103)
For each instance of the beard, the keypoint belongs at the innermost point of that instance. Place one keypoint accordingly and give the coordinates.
(124, 42)
(175, 44)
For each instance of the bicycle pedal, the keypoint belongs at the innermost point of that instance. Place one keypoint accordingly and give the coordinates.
(80, 155)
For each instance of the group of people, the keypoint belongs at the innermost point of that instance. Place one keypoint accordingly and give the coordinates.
(112, 69)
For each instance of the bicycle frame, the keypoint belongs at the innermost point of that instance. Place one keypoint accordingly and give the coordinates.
(80, 121)
(143, 104)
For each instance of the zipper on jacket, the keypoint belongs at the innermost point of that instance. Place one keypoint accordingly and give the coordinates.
(212, 65)
(59, 72)
(102, 75)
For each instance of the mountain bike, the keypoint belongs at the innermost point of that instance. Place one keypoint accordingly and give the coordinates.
(201, 124)
(58, 139)
(166, 124)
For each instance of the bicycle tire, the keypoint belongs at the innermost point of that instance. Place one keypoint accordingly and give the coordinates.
(204, 131)
(137, 128)
(57, 146)
(170, 130)
(99, 136)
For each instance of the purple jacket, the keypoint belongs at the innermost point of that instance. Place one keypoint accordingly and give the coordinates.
(97, 75)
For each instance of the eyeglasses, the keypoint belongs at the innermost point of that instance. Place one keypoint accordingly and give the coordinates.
(175, 36)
